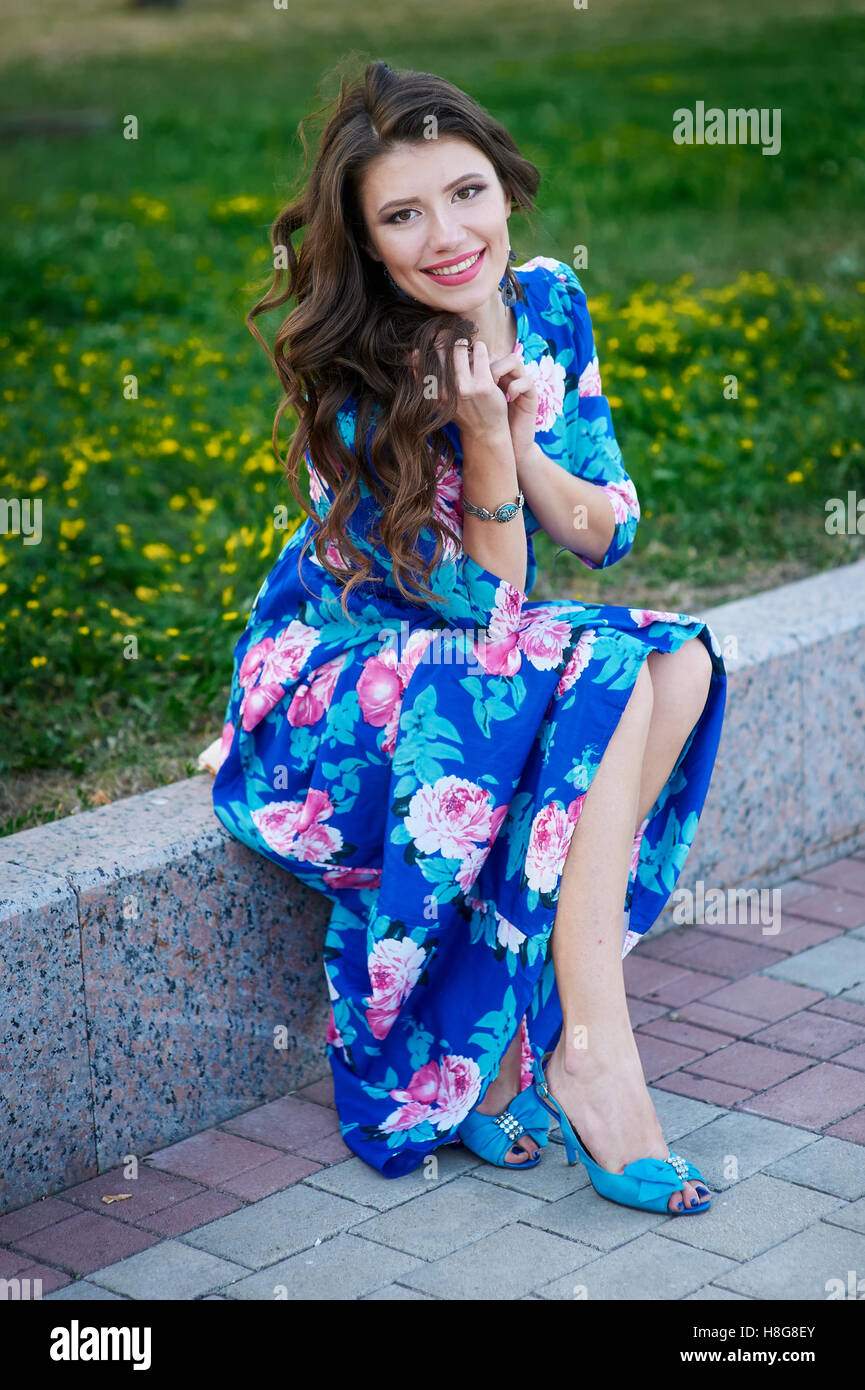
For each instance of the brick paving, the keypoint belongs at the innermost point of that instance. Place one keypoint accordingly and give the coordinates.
(753, 1044)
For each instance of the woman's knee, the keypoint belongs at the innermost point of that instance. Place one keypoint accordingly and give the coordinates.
(681, 677)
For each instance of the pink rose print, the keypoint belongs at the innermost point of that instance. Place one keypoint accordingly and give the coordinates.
(312, 698)
(225, 743)
(442, 1092)
(333, 1034)
(394, 969)
(549, 840)
(450, 817)
(295, 829)
(549, 379)
(459, 1089)
(382, 684)
(273, 663)
(514, 633)
(635, 852)
(547, 263)
(590, 380)
(508, 935)
(352, 878)
(623, 496)
(643, 616)
(577, 661)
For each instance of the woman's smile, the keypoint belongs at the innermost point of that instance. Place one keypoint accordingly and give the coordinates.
(457, 272)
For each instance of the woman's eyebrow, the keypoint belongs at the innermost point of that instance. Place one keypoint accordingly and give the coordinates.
(413, 198)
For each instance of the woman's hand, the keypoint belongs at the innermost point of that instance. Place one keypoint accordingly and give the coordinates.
(481, 410)
(521, 394)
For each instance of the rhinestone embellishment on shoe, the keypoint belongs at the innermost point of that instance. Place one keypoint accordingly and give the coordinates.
(510, 1124)
(679, 1164)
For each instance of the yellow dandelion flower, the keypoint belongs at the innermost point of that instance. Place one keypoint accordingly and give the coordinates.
(797, 476)
(172, 632)
(71, 529)
(84, 630)
(167, 446)
(156, 550)
(144, 594)
(746, 443)
(38, 660)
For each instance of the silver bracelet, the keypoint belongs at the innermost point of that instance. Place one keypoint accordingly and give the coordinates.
(506, 512)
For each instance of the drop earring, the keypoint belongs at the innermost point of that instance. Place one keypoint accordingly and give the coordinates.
(507, 287)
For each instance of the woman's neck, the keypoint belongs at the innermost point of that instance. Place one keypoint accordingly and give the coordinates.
(496, 326)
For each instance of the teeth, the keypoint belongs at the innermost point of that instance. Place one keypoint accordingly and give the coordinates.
(456, 269)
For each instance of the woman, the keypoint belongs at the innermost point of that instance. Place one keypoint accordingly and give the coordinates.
(481, 784)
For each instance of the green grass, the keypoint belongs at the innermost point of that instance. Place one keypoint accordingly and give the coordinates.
(141, 258)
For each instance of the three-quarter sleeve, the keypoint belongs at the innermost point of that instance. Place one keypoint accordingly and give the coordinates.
(593, 451)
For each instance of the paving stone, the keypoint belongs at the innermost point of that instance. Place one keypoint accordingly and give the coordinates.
(702, 1088)
(750, 1066)
(150, 1192)
(741, 1145)
(640, 1011)
(33, 1277)
(681, 1114)
(686, 1034)
(649, 1267)
(831, 968)
(751, 1216)
(847, 874)
(798, 933)
(447, 1218)
(85, 1242)
(841, 1008)
(553, 1178)
(711, 1293)
(724, 1020)
(212, 1156)
(759, 996)
(594, 1221)
(830, 1165)
(170, 1270)
(831, 905)
(852, 1216)
(801, 1267)
(286, 1123)
(345, 1267)
(814, 1098)
(330, 1148)
(855, 995)
(715, 952)
(319, 1091)
(852, 1128)
(812, 1033)
(393, 1292)
(33, 1217)
(267, 1178)
(659, 1057)
(854, 1057)
(12, 1262)
(359, 1182)
(82, 1291)
(277, 1226)
(659, 982)
(507, 1264)
(195, 1211)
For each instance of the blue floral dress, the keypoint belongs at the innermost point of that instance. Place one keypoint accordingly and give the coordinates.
(424, 767)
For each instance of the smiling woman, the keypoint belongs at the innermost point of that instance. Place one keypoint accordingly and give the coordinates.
(496, 804)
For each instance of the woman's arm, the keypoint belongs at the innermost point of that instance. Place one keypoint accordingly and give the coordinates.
(489, 473)
(574, 513)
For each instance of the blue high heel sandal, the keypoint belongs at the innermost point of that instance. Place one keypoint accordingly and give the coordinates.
(647, 1183)
(491, 1136)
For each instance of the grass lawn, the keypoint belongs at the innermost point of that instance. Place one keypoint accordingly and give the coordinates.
(139, 258)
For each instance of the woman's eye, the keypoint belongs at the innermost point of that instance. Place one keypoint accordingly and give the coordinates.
(466, 188)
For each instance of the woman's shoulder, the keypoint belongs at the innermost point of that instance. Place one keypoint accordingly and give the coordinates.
(546, 276)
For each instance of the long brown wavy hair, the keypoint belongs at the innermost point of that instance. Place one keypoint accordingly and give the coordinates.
(352, 334)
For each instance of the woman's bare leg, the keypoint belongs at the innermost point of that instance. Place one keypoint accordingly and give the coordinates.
(596, 1058)
(673, 688)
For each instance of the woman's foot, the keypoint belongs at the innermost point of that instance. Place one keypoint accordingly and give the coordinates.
(501, 1092)
(610, 1108)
